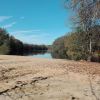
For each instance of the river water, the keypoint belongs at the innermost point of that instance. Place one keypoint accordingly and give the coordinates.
(39, 55)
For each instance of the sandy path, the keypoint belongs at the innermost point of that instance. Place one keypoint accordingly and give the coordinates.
(26, 78)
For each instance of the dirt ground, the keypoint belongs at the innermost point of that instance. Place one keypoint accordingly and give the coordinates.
(27, 78)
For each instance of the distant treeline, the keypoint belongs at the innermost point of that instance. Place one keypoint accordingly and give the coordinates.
(76, 45)
(11, 45)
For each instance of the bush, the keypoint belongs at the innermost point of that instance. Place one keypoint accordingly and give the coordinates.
(4, 49)
(58, 47)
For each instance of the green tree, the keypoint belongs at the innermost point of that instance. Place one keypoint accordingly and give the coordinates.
(59, 48)
(4, 38)
(87, 17)
(73, 45)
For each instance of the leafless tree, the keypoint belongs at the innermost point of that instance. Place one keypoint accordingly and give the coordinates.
(87, 16)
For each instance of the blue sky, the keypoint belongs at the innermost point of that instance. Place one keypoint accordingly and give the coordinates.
(35, 21)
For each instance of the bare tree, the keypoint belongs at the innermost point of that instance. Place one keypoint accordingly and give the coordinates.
(87, 16)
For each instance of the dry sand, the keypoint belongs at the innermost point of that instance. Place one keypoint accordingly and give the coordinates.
(27, 78)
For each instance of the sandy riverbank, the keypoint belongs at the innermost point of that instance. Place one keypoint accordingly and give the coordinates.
(27, 78)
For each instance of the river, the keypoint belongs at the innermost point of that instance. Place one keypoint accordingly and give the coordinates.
(40, 55)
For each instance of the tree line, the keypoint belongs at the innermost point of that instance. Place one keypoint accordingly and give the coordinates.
(84, 41)
(11, 45)
(75, 45)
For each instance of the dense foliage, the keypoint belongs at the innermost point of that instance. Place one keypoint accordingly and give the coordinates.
(10, 45)
(84, 41)
(75, 45)
(59, 50)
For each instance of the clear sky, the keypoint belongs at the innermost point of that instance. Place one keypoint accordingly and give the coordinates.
(35, 21)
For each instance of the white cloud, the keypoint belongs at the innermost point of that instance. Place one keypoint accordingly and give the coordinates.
(33, 36)
(25, 31)
(3, 18)
(9, 25)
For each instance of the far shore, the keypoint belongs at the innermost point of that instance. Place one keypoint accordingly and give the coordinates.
(28, 78)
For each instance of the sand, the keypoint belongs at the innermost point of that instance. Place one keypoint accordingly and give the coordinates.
(27, 78)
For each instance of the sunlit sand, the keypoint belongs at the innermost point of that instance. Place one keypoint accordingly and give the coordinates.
(27, 78)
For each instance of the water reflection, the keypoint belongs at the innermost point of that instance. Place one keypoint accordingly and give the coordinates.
(45, 55)
(37, 52)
